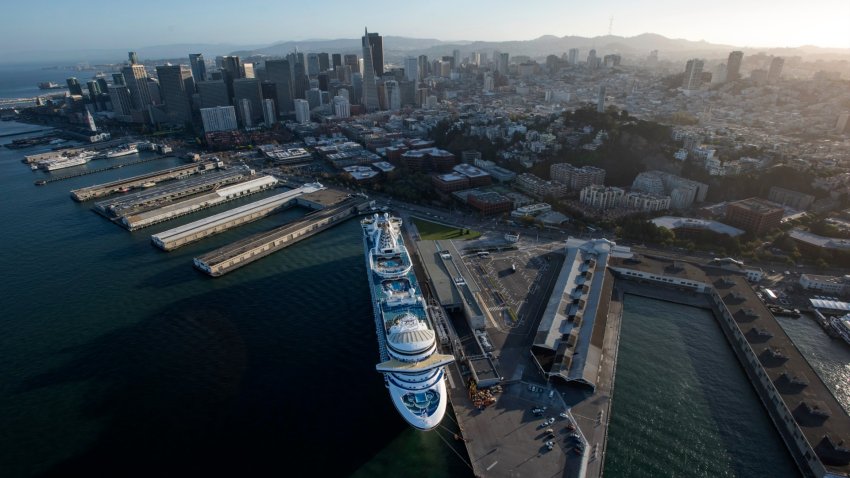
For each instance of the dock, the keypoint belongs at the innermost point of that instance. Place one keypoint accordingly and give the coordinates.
(98, 170)
(198, 202)
(160, 196)
(34, 158)
(208, 226)
(333, 207)
(113, 187)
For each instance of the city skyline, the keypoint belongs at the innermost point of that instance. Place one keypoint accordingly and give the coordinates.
(742, 24)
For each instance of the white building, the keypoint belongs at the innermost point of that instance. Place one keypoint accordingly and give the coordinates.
(219, 118)
(302, 111)
(245, 112)
(342, 108)
(649, 182)
(645, 202)
(411, 68)
(601, 197)
(828, 284)
(393, 93)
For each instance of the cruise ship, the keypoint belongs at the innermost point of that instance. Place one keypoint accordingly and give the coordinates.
(841, 326)
(122, 150)
(413, 369)
(67, 162)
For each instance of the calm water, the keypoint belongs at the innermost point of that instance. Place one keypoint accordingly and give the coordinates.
(121, 360)
(21, 81)
(682, 404)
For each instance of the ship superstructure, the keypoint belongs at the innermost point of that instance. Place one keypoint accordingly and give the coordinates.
(413, 369)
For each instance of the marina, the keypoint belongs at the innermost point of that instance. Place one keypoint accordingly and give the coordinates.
(218, 223)
(331, 208)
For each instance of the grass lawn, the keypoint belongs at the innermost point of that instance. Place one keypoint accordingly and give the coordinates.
(430, 231)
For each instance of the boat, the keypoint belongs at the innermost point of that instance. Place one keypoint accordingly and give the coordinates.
(413, 369)
(149, 184)
(49, 85)
(124, 189)
(34, 167)
(40, 182)
(67, 161)
(123, 150)
(841, 327)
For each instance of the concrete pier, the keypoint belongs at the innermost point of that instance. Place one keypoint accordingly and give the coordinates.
(208, 226)
(101, 190)
(196, 203)
(334, 208)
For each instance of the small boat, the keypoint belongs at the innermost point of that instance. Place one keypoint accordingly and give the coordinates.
(34, 167)
(40, 182)
(149, 184)
(124, 189)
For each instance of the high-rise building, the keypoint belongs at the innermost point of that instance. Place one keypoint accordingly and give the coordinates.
(592, 61)
(199, 67)
(504, 58)
(455, 59)
(352, 62)
(102, 84)
(231, 69)
(476, 58)
(314, 98)
(220, 118)
(377, 42)
(370, 88)
(423, 66)
(176, 87)
(248, 70)
(133, 58)
(246, 112)
(249, 89)
(336, 60)
(93, 89)
(393, 92)
(119, 96)
(312, 64)
(356, 88)
(573, 56)
(279, 72)
(733, 66)
(213, 93)
(269, 113)
(302, 111)
(118, 79)
(342, 108)
(411, 68)
(775, 70)
(300, 82)
(74, 86)
(268, 91)
(324, 62)
(137, 82)
(693, 74)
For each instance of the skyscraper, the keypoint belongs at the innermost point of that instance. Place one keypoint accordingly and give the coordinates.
(248, 89)
(220, 118)
(213, 93)
(268, 90)
(336, 60)
(370, 88)
(775, 70)
(411, 68)
(279, 72)
(312, 64)
(74, 86)
(393, 92)
(118, 79)
(119, 95)
(693, 74)
(504, 59)
(133, 58)
(455, 59)
(573, 56)
(199, 68)
(600, 100)
(324, 62)
(136, 79)
(269, 113)
(342, 108)
(423, 67)
(733, 66)
(246, 113)
(377, 42)
(591, 59)
(302, 111)
(176, 87)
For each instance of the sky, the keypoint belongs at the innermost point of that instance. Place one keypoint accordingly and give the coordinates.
(55, 25)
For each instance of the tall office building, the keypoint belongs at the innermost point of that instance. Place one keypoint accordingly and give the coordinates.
(248, 89)
(775, 70)
(279, 72)
(693, 75)
(411, 68)
(213, 93)
(342, 109)
(246, 112)
(312, 64)
(302, 111)
(393, 95)
(299, 74)
(423, 67)
(356, 88)
(176, 86)
(336, 60)
(119, 96)
(314, 98)
(118, 79)
(74, 86)
(231, 69)
(133, 58)
(733, 66)
(136, 79)
(102, 84)
(248, 70)
(268, 91)
(573, 56)
(93, 89)
(199, 67)
(377, 42)
(370, 88)
(476, 58)
(455, 59)
(504, 59)
(269, 113)
(591, 59)
(352, 62)
(220, 118)
(324, 62)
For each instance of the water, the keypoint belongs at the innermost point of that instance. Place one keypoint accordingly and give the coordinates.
(21, 81)
(682, 404)
(122, 360)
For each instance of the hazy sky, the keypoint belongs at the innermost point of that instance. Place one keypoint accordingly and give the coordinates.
(85, 24)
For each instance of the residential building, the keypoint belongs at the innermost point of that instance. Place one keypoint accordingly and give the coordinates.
(693, 74)
(754, 215)
(733, 66)
(575, 178)
(540, 188)
(601, 197)
(792, 199)
(775, 70)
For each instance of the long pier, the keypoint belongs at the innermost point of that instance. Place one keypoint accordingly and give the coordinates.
(218, 223)
(250, 249)
(99, 170)
(121, 185)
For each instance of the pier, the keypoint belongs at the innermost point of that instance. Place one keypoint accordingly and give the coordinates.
(333, 207)
(198, 202)
(98, 170)
(123, 185)
(208, 226)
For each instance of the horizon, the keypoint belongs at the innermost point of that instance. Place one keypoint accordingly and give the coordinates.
(725, 22)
